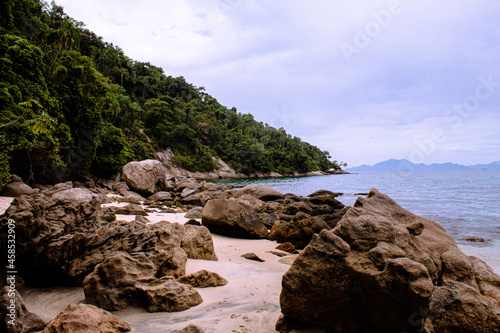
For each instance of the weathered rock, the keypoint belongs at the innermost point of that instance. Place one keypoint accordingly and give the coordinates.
(458, 307)
(146, 177)
(203, 279)
(16, 189)
(187, 183)
(268, 219)
(16, 179)
(74, 194)
(257, 191)
(325, 192)
(202, 198)
(326, 199)
(85, 318)
(59, 243)
(15, 317)
(168, 295)
(57, 188)
(298, 231)
(295, 207)
(383, 269)
(193, 222)
(252, 256)
(190, 329)
(141, 219)
(112, 284)
(287, 247)
(131, 209)
(197, 242)
(194, 213)
(232, 218)
(161, 196)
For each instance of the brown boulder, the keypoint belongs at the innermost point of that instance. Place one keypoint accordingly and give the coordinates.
(168, 295)
(384, 269)
(146, 177)
(197, 242)
(232, 218)
(257, 191)
(85, 318)
(287, 247)
(16, 189)
(203, 279)
(112, 284)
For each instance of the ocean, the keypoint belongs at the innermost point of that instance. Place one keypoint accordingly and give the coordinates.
(465, 202)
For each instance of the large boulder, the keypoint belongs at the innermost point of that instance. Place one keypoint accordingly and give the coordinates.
(168, 295)
(201, 198)
(85, 318)
(74, 194)
(14, 315)
(16, 189)
(197, 242)
(232, 218)
(384, 269)
(257, 191)
(111, 285)
(146, 177)
(124, 279)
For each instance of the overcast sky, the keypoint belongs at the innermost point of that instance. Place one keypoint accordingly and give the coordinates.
(365, 80)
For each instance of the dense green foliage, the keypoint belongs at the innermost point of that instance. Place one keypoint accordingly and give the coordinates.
(72, 104)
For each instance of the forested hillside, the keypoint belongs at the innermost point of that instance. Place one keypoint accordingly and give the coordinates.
(72, 104)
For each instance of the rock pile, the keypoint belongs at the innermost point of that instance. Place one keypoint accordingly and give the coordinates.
(384, 269)
(59, 242)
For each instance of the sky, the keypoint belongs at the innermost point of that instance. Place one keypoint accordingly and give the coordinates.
(365, 80)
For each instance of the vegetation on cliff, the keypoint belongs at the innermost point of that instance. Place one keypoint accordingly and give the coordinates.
(72, 104)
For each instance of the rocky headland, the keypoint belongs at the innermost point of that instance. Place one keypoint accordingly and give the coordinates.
(125, 247)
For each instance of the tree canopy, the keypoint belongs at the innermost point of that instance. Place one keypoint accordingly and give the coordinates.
(72, 104)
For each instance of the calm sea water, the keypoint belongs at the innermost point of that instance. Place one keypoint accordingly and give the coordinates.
(465, 203)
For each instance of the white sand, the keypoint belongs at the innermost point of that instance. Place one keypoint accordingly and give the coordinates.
(4, 204)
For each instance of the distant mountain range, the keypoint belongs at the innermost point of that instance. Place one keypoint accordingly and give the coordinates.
(405, 165)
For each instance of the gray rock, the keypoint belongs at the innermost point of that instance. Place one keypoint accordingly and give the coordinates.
(146, 177)
(195, 213)
(16, 189)
(79, 195)
(161, 196)
(257, 191)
